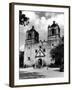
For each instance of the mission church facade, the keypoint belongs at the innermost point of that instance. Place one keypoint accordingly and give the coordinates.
(37, 52)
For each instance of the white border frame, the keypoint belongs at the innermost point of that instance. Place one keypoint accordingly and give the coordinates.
(16, 46)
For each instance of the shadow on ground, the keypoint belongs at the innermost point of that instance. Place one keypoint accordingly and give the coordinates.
(29, 75)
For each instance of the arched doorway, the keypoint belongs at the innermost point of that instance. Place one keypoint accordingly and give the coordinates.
(39, 62)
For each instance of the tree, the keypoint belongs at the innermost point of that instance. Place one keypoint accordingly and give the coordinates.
(21, 59)
(23, 20)
(57, 54)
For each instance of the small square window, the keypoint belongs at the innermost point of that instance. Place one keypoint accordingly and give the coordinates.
(40, 47)
(35, 51)
(28, 58)
(44, 50)
(52, 44)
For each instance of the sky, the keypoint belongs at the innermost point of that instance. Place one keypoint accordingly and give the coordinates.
(41, 21)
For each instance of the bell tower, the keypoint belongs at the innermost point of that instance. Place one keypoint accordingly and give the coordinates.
(53, 34)
(32, 36)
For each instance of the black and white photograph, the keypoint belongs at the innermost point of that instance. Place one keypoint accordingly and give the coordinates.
(41, 44)
(40, 40)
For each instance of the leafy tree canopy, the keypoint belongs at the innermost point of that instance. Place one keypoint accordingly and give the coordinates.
(57, 54)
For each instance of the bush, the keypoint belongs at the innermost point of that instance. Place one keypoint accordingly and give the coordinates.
(62, 68)
(57, 54)
(53, 65)
(27, 66)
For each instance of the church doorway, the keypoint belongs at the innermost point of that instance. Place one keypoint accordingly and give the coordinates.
(39, 62)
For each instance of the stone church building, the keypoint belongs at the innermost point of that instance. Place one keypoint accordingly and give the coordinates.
(37, 52)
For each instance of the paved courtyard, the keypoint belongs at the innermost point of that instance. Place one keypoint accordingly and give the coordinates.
(31, 73)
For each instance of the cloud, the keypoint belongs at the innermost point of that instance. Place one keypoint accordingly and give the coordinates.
(32, 16)
(41, 20)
